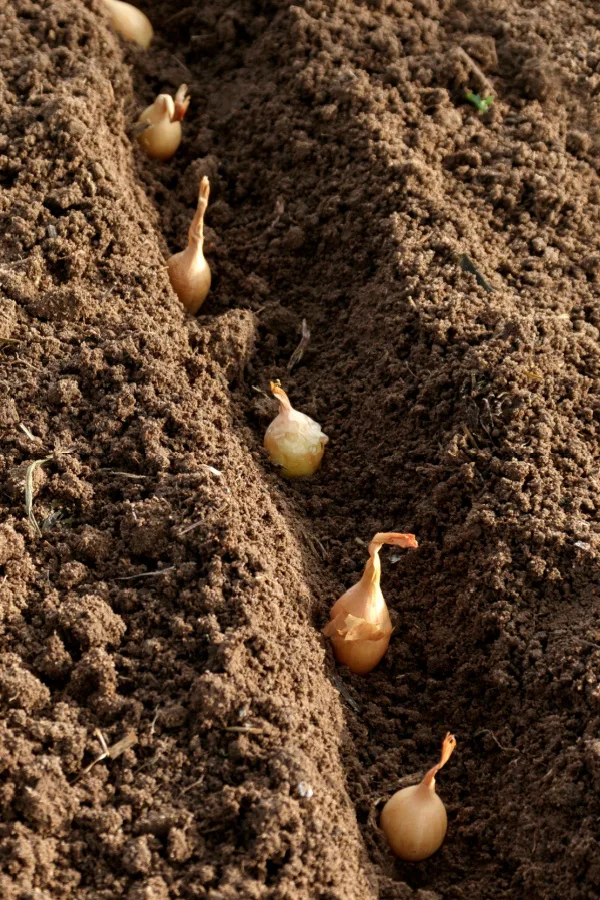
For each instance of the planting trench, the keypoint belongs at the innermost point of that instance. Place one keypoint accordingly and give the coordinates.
(349, 178)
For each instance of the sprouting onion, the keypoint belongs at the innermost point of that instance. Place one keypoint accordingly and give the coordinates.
(188, 270)
(414, 820)
(161, 135)
(360, 626)
(293, 440)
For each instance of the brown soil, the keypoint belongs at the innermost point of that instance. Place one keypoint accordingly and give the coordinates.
(160, 598)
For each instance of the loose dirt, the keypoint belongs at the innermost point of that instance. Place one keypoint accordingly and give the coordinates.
(168, 586)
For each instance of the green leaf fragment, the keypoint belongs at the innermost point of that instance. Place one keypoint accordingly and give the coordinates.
(482, 103)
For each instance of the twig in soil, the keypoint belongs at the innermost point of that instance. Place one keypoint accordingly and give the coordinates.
(212, 829)
(430, 468)
(199, 522)
(534, 848)
(124, 474)
(110, 752)
(10, 341)
(373, 818)
(216, 473)
(496, 741)
(150, 762)
(467, 265)
(467, 432)
(301, 348)
(486, 403)
(17, 361)
(14, 262)
(244, 729)
(488, 407)
(144, 574)
(190, 787)
(315, 544)
(189, 528)
(154, 720)
(212, 470)
(179, 63)
(121, 746)
(279, 211)
(345, 694)
(484, 80)
(532, 375)
(188, 10)
(26, 431)
(29, 492)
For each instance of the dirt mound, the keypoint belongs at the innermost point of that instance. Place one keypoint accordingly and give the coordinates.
(168, 586)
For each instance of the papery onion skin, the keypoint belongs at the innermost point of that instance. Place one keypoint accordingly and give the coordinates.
(189, 271)
(293, 440)
(360, 627)
(290, 451)
(414, 820)
(130, 22)
(361, 657)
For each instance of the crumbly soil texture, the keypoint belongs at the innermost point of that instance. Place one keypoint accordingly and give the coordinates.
(173, 724)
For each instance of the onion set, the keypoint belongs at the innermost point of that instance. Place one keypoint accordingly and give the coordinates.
(130, 22)
(414, 820)
(160, 125)
(360, 626)
(293, 440)
(188, 270)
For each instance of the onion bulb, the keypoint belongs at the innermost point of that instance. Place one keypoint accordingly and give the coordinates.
(414, 820)
(161, 135)
(188, 270)
(293, 440)
(130, 22)
(360, 626)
